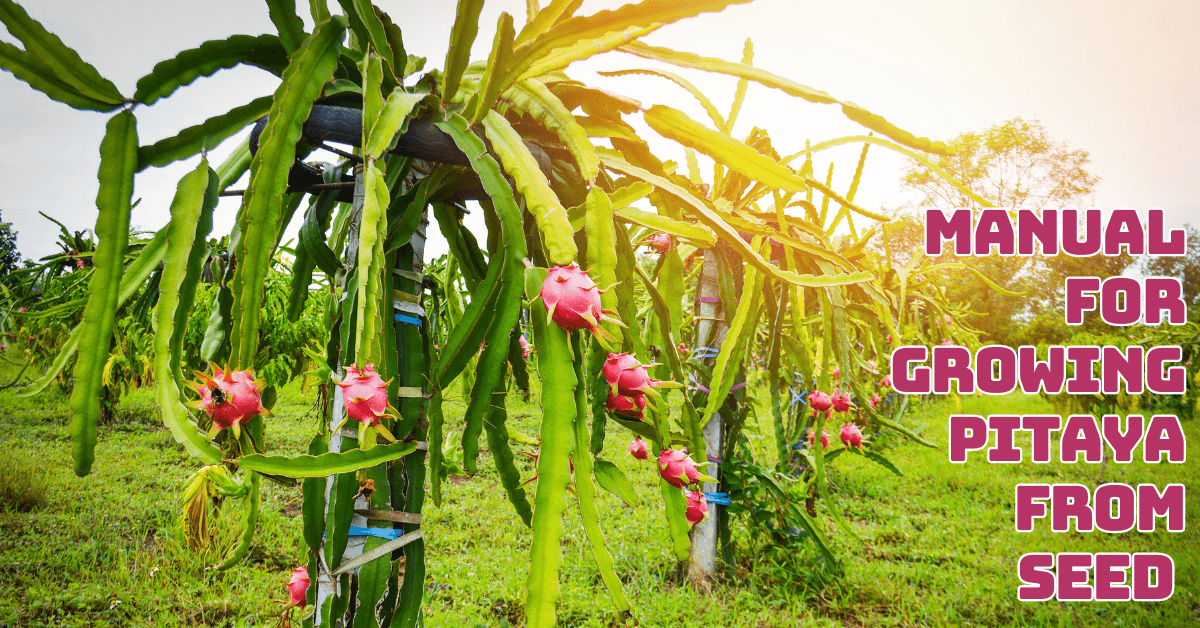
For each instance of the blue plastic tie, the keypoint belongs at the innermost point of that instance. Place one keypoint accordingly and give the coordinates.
(717, 498)
(383, 533)
(411, 320)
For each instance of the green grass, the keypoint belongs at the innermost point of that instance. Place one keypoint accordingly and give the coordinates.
(936, 548)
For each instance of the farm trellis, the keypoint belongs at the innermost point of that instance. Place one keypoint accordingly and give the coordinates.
(561, 220)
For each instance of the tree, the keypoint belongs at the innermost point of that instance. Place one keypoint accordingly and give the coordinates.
(10, 258)
(1186, 268)
(1012, 164)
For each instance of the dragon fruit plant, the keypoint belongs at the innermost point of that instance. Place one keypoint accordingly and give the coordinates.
(404, 333)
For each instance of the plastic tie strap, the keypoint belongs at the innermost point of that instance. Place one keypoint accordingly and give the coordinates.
(411, 320)
(721, 499)
(383, 533)
(709, 299)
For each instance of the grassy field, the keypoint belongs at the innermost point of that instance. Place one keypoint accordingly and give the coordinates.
(936, 548)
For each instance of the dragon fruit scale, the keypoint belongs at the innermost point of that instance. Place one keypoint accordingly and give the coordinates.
(229, 397)
(572, 300)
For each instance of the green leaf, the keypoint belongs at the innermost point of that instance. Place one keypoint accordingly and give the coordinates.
(118, 162)
(378, 34)
(584, 36)
(52, 52)
(205, 136)
(533, 99)
(489, 86)
(392, 122)
(462, 36)
(290, 26)
(39, 76)
(991, 284)
(547, 17)
(552, 219)
(852, 111)
(312, 65)
(307, 466)
(676, 125)
(698, 235)
(264, 51)
(612, 479)
(191, 198)
(709, 107)
(727, 234)
(915, 156)
(883, 462)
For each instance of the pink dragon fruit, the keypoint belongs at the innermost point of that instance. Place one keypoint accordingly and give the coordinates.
(948, 319)
(230, 397)
(365, 396)
(836, 372)
(812, 437)
(841, 401)
(573, 301)
(946, 342)
(627, 405)
(637, 449)
(627, 376)
(682, 349)
(526, 348)
(886, 382)
(659, 242)
(697, 507)
(298, 588)
(678, 469)
(3, 347)
(819, 401)
(875, 399)
(851, 436)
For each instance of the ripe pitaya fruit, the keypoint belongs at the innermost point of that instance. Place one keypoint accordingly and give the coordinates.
(659, 242)
(365, 396)
(627, 405)
(298, 588)
(819, 401)
(841, 401)
(812, 438)
(526, 348)
(875, 399)
(697, 507)
(637, 449)
(678, 469)
(627, 376)
(836, 372)
(573, 301)
(230, 397)
(851, 436)
(946, 342)
(683, 350)
(886, 381)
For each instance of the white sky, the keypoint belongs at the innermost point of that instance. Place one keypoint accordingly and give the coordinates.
(1120, 79)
